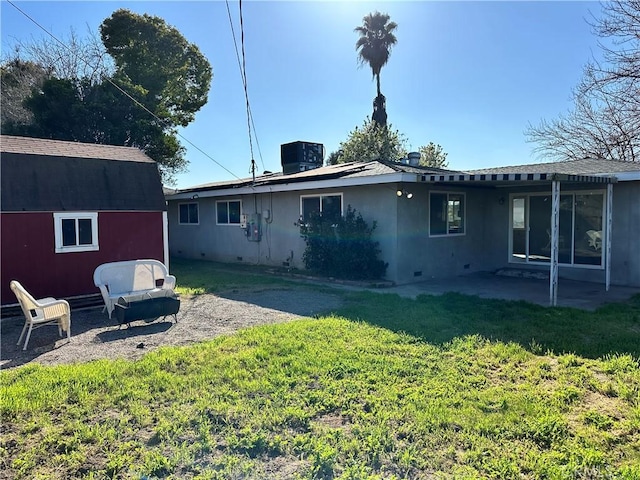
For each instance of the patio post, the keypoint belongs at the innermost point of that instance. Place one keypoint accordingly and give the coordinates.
(555, 222)
(607, 236)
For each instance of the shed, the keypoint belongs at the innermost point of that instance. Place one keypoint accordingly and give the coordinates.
(67, 207)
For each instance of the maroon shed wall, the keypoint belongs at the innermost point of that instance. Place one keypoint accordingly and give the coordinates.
(27, 246)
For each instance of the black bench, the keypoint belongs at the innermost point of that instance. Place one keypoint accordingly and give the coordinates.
(126, 312)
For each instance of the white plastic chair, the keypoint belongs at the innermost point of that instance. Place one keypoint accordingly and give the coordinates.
(38, 313)
(595, 239)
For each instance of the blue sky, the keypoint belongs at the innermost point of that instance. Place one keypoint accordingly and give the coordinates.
(467, 75)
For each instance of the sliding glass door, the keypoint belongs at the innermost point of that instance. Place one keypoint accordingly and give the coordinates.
(580, 228)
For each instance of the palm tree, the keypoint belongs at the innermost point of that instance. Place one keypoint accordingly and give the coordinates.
(374, 46)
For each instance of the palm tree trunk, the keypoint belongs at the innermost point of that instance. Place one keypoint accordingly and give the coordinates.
(378, 83)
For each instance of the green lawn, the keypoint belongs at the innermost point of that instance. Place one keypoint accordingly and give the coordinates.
(439, 387)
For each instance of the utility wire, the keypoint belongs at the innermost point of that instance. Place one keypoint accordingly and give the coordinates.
(125, 93)
(235, 44)
(246, 93)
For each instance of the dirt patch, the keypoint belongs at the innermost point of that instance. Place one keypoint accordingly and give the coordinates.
(201, 317)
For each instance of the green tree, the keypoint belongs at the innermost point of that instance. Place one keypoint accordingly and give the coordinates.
(174, 75)
(433, 155)
(371, 142)
(99, 113)
(374, 47)
(167, 77)
(334, 158)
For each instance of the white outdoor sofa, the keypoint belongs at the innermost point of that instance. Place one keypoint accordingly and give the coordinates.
(133, 281)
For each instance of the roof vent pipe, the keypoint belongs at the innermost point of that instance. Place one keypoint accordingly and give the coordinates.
(414, 158)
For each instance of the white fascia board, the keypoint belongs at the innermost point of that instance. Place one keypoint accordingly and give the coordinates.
(621, 176)
(399, 177)
(627, 176)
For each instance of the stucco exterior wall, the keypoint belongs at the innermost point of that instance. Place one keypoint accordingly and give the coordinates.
(625, 234)
(422, 256)
(403, 231)
(227, 243)
(281, 243)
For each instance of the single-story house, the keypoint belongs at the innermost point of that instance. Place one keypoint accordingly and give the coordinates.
(67, 207)
(431, 223)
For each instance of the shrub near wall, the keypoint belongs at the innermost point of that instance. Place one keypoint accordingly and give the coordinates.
(342, 247)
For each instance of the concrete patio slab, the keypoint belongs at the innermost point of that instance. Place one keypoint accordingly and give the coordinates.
(582, 295)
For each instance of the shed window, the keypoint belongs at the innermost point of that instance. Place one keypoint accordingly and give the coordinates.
(76, 232)
(228, 212)
(188, 214)
(446, 214)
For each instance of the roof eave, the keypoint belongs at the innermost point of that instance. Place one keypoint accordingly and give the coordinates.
(398, 177)
(515, 178)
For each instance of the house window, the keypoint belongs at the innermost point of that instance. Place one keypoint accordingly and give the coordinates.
(327, 206)
(446, 214)
(228, 212)
(76, 231)
(188, 214)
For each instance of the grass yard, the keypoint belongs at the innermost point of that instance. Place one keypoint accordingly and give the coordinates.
(438, 387)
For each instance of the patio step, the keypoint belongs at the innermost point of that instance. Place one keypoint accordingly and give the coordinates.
(522, 273)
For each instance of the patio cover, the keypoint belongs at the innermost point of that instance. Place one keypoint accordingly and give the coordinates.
(553, 179)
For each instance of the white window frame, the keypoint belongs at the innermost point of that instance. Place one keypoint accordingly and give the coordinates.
(527, 196)
(235, 224)
(321, 196)
(189, 223)
(57, 223)
(464, 214)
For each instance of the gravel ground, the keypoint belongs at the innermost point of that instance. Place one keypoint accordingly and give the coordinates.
(202, 317)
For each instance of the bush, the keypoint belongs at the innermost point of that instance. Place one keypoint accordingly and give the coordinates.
(342, 247)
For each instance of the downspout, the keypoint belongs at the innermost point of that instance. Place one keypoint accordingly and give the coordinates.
(555, 223)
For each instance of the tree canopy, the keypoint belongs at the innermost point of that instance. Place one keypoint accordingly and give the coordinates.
(605, 119)
(166, 80)
(375, 42)
(174, 75)
(371, 142)
(432, 155)
(374, 47)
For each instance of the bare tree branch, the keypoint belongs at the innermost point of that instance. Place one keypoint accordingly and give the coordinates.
(605, 119)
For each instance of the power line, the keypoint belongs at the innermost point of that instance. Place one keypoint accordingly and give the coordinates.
(125, 93)
(235, 44)
(242, 68)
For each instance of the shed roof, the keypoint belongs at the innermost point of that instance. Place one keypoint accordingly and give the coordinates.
(42, 175)
(59, 148)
